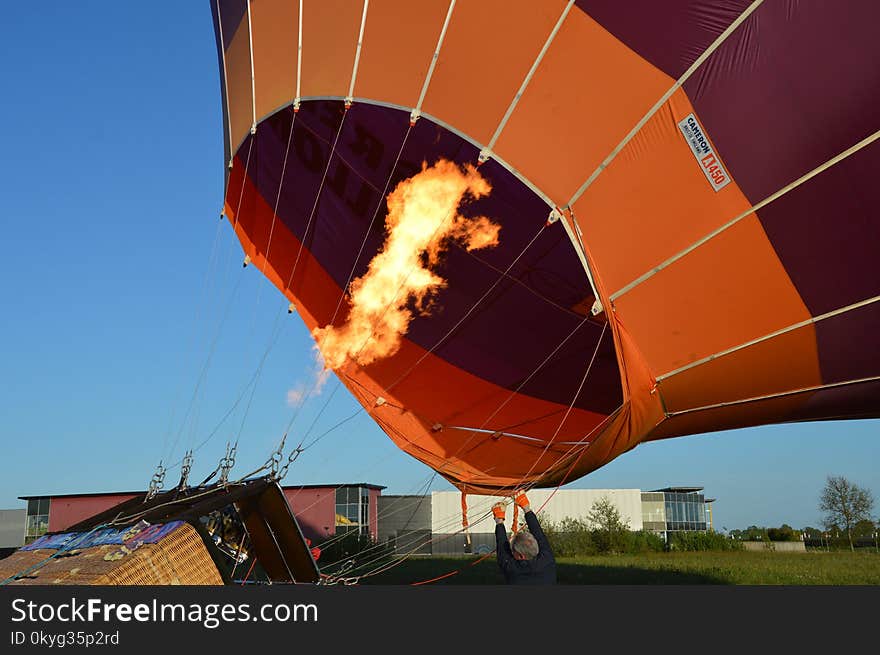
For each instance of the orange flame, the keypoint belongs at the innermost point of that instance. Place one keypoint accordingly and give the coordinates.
(422, 220)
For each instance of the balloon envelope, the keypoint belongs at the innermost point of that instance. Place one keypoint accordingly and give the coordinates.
(711, 166)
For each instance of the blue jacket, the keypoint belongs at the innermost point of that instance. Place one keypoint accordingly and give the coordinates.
(541, 570)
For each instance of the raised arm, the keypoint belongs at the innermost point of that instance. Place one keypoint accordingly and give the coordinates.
(502, 545)
(534, 526)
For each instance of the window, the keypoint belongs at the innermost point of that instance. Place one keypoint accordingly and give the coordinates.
(37, 519)
(352, 509)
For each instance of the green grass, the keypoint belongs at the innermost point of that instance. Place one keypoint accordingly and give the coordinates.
(734, 568)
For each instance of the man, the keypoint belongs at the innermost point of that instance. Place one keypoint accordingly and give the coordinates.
(527, 558)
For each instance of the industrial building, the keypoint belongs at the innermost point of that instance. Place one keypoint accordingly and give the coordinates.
(12, 524)
(661, 511)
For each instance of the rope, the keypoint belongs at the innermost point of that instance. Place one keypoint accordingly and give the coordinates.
(317, 198)
(378, 319)
(212, 262)
(260, 289)
(250, 570)
(430, 540)
(204, 372)
(469, 312)
(370, 226)
(226, 313)
(570, 406)
(653, 110)
(518, 485)
(520, 386)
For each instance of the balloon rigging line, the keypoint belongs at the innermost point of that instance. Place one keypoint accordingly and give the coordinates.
(340, 536)
(525, 83)
(226, 312)
(381, 202)
(519, 387)
(420, 542)
(316, 382)
(771, 396)
(416, 112)
(247, 165)
(439, 538)
(500, 492)
(317, 199)
(211, 350)
(280, 187)
(339, 303)
(212, 262)
(524, 382)
(369, 336)
(385, 514)
(662, 101)
(289, 286)
(241, 394)
(260, 288)
(790, 328)
(567, 412)
(519, 484)
(256, 377)
(300, 447)
(469, 312)
(357, 53)
(751, 210)
(587, 443)
(529, 378)
(567, 310)
(205, 367)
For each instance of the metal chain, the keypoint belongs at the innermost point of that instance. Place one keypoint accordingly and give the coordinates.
(157, 481)
(185, 468)
(282, 473)
(227, 462)
(274, 461)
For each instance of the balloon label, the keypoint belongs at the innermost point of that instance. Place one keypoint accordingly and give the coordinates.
(703, 152)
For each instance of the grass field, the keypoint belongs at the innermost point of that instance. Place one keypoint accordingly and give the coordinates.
(732, 568)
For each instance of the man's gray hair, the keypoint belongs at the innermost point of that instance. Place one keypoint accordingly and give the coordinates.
(524, 544)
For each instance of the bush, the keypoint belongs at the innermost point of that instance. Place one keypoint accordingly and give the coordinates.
(643, 541)
(783, 533)
(710, 540)
(569, 537)
(574, 537)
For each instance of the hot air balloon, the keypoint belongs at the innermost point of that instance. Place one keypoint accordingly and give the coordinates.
(684, 191)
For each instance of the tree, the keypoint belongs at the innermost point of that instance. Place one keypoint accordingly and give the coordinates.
(609, 527)
(845, 504)
(783, 533)
(864, 528)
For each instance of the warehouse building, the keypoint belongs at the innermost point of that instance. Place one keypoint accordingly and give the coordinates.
(405, 523)
(12, 528)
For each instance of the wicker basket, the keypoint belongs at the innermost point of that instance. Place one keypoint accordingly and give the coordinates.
(180, 558)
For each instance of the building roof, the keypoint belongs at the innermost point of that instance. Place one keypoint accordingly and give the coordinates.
(680, 490)
(368, 485)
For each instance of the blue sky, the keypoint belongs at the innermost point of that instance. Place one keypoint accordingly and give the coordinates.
(120, 286)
